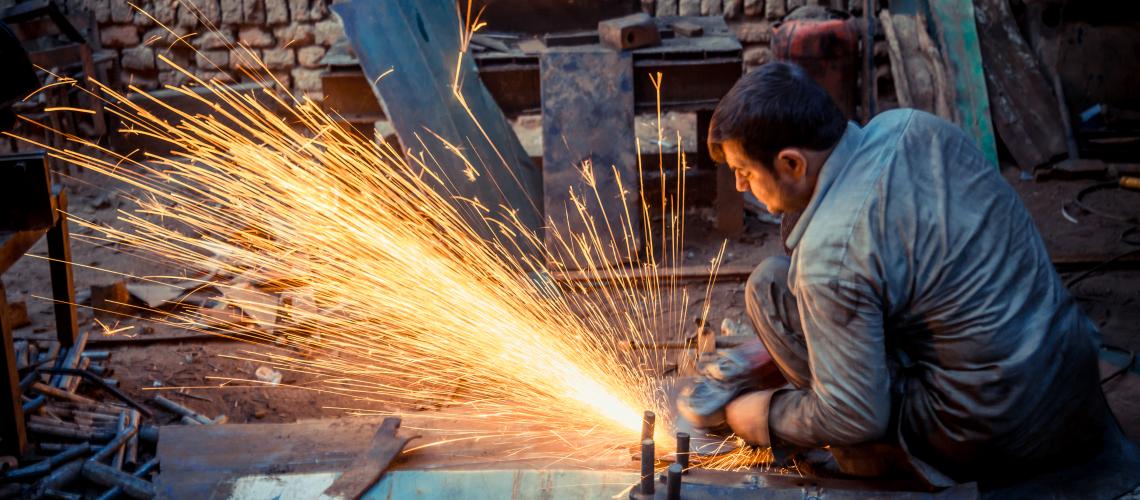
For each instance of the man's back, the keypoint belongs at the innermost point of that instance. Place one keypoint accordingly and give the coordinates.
(998, 364)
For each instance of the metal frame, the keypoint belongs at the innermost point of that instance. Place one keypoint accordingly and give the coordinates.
(13, 245)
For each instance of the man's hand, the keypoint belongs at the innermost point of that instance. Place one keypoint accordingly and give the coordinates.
(734, 371)
(748, 417)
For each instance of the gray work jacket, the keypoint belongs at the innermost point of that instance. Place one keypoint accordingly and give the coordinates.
(915, 253)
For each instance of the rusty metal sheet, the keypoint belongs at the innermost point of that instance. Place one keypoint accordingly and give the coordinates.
(587, 117)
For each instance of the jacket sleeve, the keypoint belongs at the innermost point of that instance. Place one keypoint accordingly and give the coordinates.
(849, 400)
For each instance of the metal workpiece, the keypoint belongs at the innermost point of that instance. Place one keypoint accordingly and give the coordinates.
(704, 484)
(682, 452)
(647, 474)
(647, 425)
(673, 482)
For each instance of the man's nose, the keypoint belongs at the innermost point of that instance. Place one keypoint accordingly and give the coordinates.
(741, 184)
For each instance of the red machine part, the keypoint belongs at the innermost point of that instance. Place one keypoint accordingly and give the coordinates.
(828, 50)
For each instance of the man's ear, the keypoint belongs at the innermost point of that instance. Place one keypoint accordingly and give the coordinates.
(791, 162)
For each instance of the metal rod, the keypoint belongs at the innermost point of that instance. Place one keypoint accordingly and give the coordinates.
(647, 462)
(673, 482)
(178, 409)
(647, 425)
(114, 445)
(683, 450)
(97, 380)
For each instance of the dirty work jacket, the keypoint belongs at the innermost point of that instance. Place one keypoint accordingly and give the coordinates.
(913, 248)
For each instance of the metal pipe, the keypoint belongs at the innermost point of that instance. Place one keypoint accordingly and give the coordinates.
(140, 473)
(45, 466)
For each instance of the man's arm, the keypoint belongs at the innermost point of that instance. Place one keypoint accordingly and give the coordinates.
(849, 401)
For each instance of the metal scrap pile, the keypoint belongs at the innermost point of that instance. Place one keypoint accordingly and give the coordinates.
(87, 438)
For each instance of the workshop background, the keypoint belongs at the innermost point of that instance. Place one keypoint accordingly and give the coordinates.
(1046, 87)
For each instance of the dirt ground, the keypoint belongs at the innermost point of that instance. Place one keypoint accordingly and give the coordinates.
(149, 358)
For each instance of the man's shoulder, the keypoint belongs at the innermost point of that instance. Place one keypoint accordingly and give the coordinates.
(910, 122)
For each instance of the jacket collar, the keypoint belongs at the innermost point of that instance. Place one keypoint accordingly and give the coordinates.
(832, 168)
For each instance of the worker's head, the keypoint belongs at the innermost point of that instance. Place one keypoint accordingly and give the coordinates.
(775, 129)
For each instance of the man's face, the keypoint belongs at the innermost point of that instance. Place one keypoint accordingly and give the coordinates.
(780, 193)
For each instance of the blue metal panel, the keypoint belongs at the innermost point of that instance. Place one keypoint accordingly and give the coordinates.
(410, 52)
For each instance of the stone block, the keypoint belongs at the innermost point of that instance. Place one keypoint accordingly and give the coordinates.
(310, 57)
(212, 59)
(165, 11)
(284, 58)
(753, 8)
(122, 12)
(752, 31)
(306, 79)
(213, 40)
(139, 58)
(328, 32)
(175, 78)
(276, 12)
(689, 7)
(295, 34)
(142, 81)
(666, 8)
(757, 55)
(299, 10)
(733, 9)
(712, 8)
(253, 12)
(243, 58)
(256, 36)
(143, 20)
(318, 9)
(101, 10)
(186, 17)
(209, 10)
(207, 75)
(123, 35)
(231, 11)
(774, 9)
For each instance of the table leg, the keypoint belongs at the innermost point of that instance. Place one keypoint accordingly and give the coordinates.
(62, 282)
(729, 202)
(13, 439)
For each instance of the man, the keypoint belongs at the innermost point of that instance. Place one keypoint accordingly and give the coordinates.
(918, 311)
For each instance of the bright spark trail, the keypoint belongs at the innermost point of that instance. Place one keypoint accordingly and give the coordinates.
(395, 299)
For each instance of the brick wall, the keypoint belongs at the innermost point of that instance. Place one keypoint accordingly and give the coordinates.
(290, 36)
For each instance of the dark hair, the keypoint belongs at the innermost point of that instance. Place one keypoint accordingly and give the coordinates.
(773, 107)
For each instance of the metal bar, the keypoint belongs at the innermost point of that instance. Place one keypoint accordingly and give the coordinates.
(13, 436)
(97, 380)
(62, 281)
(141, 472)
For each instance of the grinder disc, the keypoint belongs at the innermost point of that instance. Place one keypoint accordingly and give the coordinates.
(701, 441)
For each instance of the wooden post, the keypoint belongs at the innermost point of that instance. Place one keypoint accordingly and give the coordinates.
(62, 282)
(13, 438)
(729, 201)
